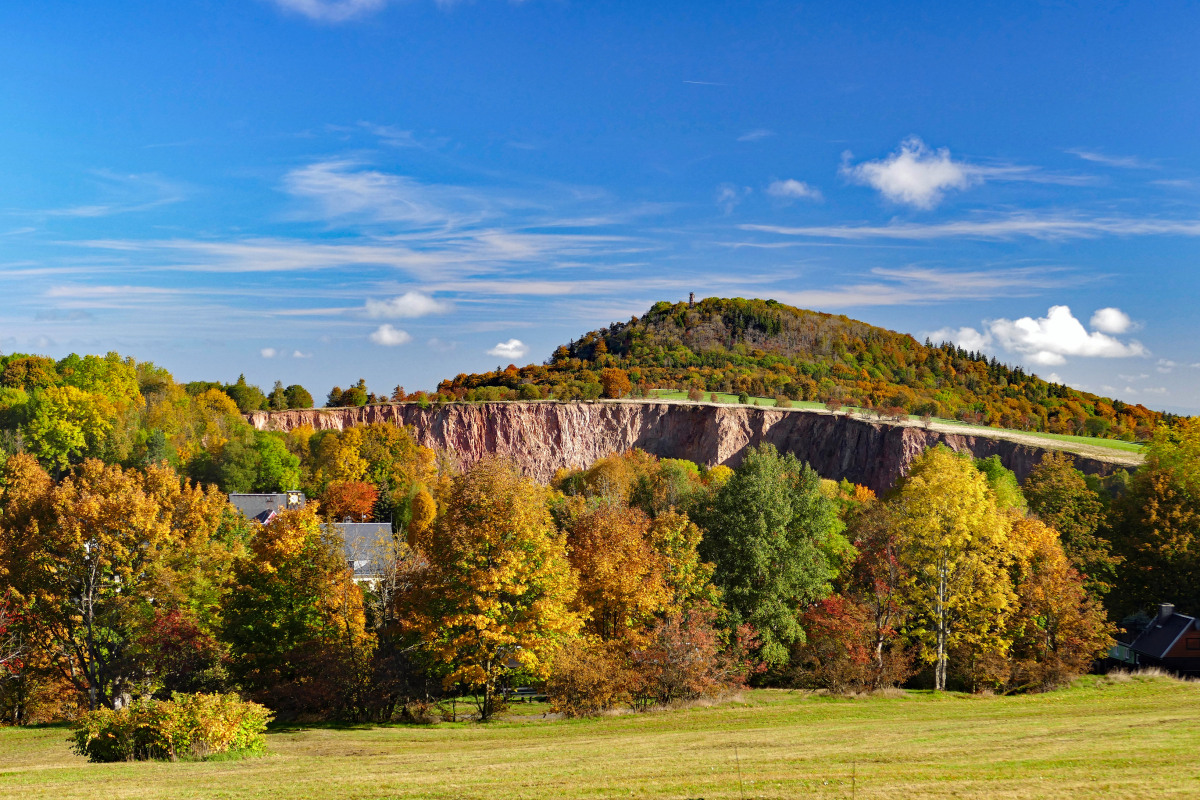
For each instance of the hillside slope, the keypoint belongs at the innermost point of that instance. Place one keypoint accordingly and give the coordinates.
(766, 348)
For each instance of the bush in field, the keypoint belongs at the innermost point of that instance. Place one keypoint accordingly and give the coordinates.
(589, 677)
(187, 726)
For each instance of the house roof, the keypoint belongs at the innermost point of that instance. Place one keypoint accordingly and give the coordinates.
(1162, 634)
(262, 507)
(361, 541)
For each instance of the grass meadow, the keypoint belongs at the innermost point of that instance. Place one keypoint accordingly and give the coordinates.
(1106, 737)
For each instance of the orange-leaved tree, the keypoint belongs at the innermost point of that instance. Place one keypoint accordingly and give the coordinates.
(495, 597)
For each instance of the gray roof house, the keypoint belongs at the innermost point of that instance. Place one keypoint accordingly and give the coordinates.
(1170, 641)
(262, 508)
(361, 540)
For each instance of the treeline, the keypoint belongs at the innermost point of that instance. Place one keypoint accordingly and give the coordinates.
(635, 582)
(765, 348)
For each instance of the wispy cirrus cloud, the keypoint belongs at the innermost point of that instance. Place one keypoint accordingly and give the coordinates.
(924, 286)
(1124, 162)
(124, 194)
(756, 135)
(331, 10)
(998, 228)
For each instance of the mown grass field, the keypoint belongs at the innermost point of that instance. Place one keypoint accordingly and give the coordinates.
(1112, 444)
(1104, 738)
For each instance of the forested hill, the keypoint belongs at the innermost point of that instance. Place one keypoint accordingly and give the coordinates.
(766, 348)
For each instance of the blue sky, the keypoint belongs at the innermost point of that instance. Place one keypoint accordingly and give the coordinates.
(320, 190)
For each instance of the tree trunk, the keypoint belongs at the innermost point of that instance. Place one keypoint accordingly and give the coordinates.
(940, 671)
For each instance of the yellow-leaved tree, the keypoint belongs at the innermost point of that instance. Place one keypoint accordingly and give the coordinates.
(954, 547)
(496, 592)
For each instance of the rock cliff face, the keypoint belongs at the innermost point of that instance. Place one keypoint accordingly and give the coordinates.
(544, 437)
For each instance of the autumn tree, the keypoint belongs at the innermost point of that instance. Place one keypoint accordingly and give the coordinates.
(353, 500)
(1156, 525)
(953, 546)
(615, 382)
(1060, 497)
(1057, 628)
(295, 621)
(622, 581)
(776, 543)
(496, 594)
(92, 555)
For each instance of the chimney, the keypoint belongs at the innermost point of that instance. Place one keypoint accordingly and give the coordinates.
(1165, 610)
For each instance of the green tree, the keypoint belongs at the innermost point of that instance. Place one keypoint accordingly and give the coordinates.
(67, 424)
(776, 543)
(298, 397)
(1060, 497)
(293, 600)
(248, 398)
(1003, 483)
(277, 399)
(1156, 525)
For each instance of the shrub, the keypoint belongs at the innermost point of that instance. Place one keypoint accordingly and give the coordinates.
(783, 401)
(187, 726)
(695, 395)
(589, 677)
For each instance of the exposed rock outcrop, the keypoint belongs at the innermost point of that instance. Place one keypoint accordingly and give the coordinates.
(546, 436)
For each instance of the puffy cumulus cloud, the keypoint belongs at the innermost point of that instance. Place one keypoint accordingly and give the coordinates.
(791, 189)
(268, 352)
(407, 305)
(300, 354)
(388, 336)
(1111, 320)
(966, 338)
(331, 10)
(513, 348)
(1046, 341)
(913, 175)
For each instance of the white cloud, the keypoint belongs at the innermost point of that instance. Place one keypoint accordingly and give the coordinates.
(1049, 228)
(513, 348)
(440, 345)
(1053, 378)
(1165, 365)
(268, 352)
(388, 336)
(966, 338)
(409, 304)
(331, 10)
(344, 188)
(1126, 162)
(1111, 320)
(1047, 340)
(913, 175)
(299, 354)
(792, 189)
(756, 135)
(729, 196)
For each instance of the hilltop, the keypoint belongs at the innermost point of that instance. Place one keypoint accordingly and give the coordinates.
(767, 348)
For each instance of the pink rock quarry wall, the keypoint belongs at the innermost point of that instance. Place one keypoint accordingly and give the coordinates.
(545, 436)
